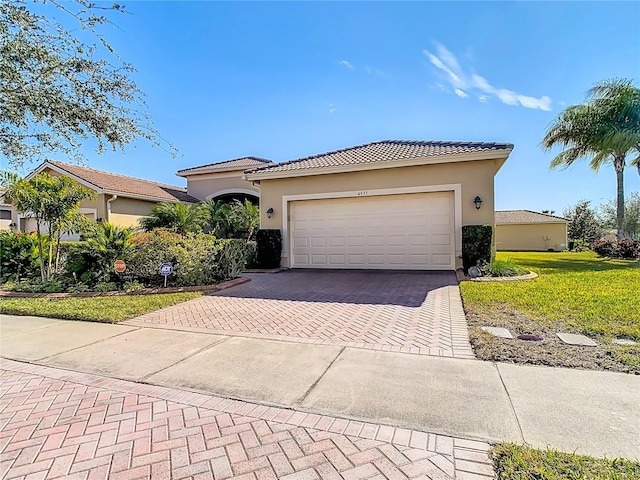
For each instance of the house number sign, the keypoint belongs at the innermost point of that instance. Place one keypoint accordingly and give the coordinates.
(363, 193)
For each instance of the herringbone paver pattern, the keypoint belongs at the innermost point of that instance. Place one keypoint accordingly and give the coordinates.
(61, 424)
(418, 313)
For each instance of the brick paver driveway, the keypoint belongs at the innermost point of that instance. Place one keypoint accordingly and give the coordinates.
(61, 424)
(410, 312)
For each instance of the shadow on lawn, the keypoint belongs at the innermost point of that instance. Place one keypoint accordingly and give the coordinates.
(562, 265)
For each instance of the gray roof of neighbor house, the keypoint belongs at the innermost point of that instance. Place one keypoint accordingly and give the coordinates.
(121, 184)
(233, 164)
(383, 151)
(525, 216)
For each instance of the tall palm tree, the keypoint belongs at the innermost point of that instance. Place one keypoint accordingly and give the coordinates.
(178, 217)
(604, 129)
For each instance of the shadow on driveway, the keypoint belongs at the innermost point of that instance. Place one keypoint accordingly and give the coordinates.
(382, 287)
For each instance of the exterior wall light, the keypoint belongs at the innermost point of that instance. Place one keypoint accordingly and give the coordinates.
(13, 225)
(270, 212)
(478, 202)
(99, 220)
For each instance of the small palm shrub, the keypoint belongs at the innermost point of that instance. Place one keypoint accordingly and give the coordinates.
(176, 217)
(91, 260)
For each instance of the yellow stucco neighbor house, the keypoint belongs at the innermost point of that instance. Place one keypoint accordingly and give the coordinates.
(524, 230)
(120, 200)
(383, 205)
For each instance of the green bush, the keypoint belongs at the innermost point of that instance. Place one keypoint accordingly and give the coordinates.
(18, 256)
(132, 286)
(92, 259)
(505, 268)
(232, 258)
(252, 254)
(269, 248)
(477, 243)
(197, 259)
(106, 287)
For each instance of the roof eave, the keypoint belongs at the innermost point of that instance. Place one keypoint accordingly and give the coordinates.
(503, 154)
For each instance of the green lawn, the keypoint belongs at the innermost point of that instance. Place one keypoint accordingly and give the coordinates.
(585, 293)
(514, 462)
(95, 309)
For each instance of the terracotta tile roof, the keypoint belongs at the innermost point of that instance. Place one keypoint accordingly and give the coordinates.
(234, 164)
(383, 151)
(525, 216)
(114, 182)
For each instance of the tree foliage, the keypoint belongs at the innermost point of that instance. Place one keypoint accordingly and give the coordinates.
(236, 219)
(607, 212)
(605, 129)
(56, 91)
(53, 202)
(176, 217)
(583, 222)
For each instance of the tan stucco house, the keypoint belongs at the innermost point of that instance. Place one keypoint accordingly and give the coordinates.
(120, 200)
(383, 205)
(525, 230)
(223, 180)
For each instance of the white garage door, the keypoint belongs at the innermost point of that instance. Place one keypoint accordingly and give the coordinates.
(410, 231)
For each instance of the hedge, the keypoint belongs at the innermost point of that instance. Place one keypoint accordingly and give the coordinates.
(477, 245)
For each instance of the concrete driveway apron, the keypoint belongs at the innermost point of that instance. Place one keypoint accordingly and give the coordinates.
(408, 312)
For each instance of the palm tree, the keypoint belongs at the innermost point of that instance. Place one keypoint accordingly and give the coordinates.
(246, 217)
(178, 217)
(604, 129)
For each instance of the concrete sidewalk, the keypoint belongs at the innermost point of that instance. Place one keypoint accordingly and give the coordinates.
(573, 410)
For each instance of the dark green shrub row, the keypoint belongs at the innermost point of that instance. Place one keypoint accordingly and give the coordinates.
(477, 243)
(269, 248)
(18, 256)
(623, 248)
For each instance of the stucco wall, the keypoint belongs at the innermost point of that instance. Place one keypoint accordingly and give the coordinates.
(531, 237)
(126, 212)
(474, 177)
(204, 186)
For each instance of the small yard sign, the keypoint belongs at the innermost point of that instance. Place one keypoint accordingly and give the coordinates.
(166, 269)
(119, 266)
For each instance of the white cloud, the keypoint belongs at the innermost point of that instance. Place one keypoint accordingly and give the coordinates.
(459, 80)
(331, 108)
(346, 64)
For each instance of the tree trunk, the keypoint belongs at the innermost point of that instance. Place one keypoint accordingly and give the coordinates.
(618, 164)
(43, 274)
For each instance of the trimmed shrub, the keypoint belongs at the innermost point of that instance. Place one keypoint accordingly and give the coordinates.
(628, 248)
(477, 241)
(624, 248)
(18, 256)
(505, 268)
(269, 248)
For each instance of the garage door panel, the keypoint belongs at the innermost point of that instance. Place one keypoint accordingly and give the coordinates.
(408, 231)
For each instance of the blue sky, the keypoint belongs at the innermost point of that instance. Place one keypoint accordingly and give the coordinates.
(285, 80)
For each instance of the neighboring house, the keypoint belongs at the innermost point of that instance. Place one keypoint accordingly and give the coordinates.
(120, 200)
(383, 205)
(5, 213)
(524, 230)
(223, 180)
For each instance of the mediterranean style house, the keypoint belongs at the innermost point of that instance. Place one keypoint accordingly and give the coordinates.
(391, 204)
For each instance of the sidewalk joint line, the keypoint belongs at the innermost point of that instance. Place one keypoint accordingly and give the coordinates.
(203, 349)
(513, 409)
(314, 384)
(133, 329)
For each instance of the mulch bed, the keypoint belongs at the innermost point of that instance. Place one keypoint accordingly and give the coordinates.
(145, 291)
